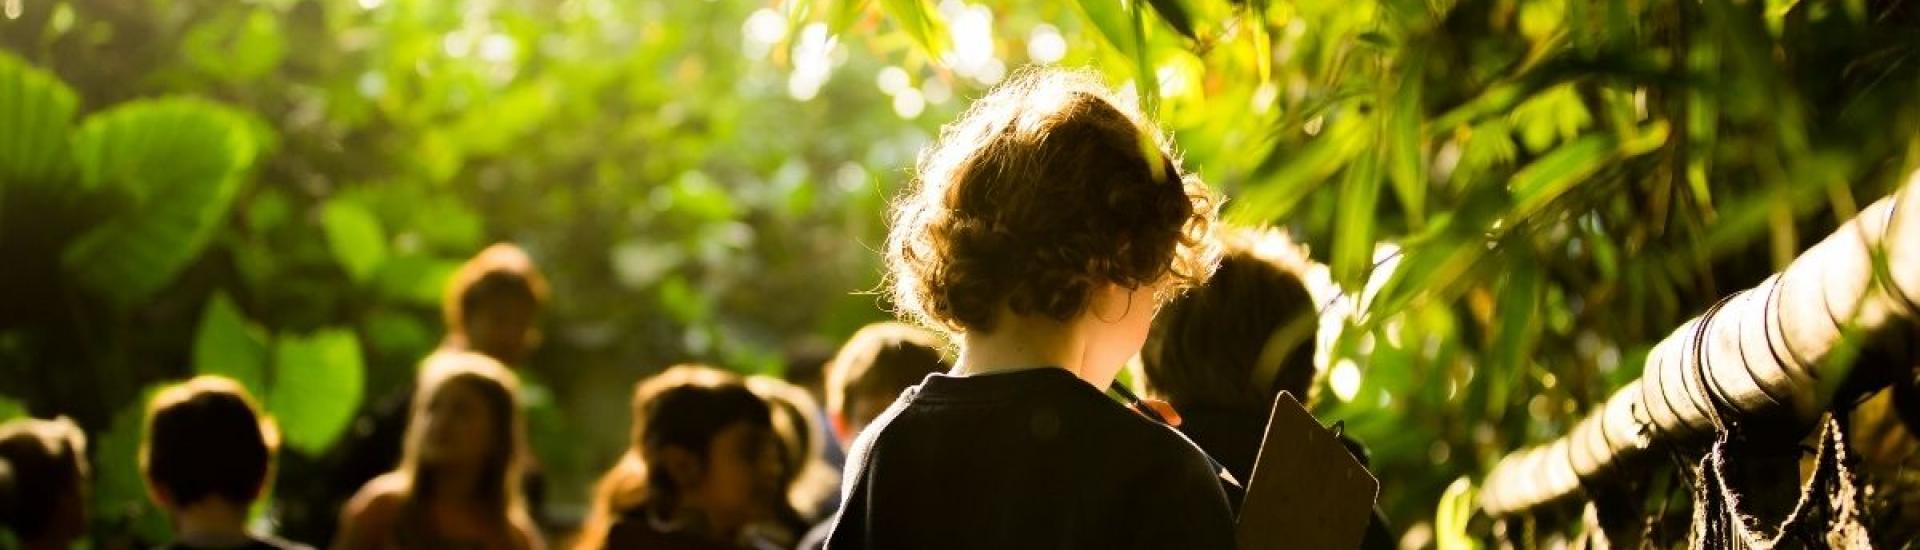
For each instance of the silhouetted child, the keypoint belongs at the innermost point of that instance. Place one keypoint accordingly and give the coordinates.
(876, 364)
(1043, 231)
(1222, 352)
(207, 456)
(457, 484)
(705, 466)
(43, 480)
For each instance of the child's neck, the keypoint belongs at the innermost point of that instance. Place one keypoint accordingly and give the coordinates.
(1021, 342)
(211, 523)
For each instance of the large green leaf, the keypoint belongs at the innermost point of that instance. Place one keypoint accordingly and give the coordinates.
(355, 237)
(316, 387)
(36, 115)
(228, 345)
(179, 163)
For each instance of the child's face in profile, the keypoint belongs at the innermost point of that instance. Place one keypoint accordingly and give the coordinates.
(459, 425)
(743, 469)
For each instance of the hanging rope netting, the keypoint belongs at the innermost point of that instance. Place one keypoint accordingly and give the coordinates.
(1829, 513)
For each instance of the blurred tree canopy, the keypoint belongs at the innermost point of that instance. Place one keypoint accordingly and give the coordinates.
(1514, 198)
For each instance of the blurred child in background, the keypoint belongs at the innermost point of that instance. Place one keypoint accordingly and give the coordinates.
(208, 454)
(704, 468)
(43, 482)
(808, 480)
(876, 364)
(1223, 352)
(491, 307)
(457, 485)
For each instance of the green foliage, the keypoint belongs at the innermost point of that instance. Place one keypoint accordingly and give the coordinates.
(33, 144)
(316, 387)
(226, 344)
(355, 237)
(120, 503)
(922, 22)
(1569, 180)
(1558, 183)
(1456, 508)
(11, 409)
(177, 164)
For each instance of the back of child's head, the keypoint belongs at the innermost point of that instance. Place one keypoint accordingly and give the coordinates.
(875, 365)
(503, 282)
(1244, 336)
(43, 464)
(207, 439)
(1045, 190)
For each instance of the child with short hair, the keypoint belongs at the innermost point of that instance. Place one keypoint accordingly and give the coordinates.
(43, 480)
(1042, 232)
(207, 456)
(1222, 352)
(876, 364)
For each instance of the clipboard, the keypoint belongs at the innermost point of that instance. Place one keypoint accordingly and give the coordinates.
(1307, 490)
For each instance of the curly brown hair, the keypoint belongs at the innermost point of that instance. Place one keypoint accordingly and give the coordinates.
(1043, 191)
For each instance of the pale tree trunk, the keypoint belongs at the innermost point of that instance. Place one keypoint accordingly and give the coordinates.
(1838, 320)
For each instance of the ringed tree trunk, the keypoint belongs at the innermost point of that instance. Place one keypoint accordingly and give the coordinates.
(1768, 359)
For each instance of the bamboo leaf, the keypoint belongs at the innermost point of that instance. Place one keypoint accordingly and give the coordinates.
(921, 22)
(1111, 18)
(1299, 174)
(1144, 74)
(843, 13)
(1553, 174)
(1405, 136)
(1558, 171)
(1178, 14)
(1353, 228)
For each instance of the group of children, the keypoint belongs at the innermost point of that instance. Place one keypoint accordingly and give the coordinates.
(1048, 239)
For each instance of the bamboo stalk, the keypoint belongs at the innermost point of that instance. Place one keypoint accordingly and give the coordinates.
(1768, 357)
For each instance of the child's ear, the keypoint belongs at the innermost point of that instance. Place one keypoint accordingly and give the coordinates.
(159, 495)
(837, 421)
(683, 466)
